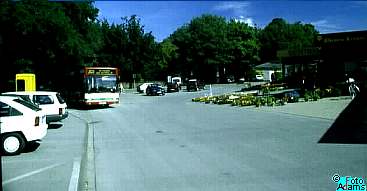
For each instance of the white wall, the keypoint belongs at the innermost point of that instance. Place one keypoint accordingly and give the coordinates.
(267, 75)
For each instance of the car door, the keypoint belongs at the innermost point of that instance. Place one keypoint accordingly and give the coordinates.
(10, 118)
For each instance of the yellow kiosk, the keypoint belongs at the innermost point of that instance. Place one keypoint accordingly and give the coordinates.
(25, 82)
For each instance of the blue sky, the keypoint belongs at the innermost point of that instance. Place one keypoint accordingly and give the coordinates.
(164, 17)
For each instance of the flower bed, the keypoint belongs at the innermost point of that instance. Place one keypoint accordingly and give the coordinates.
(263, 97)
(241, 100)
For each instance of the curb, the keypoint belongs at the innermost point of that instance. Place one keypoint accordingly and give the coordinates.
(88, 174)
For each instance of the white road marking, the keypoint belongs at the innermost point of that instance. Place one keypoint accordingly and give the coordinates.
(74, 179)
(30, 173)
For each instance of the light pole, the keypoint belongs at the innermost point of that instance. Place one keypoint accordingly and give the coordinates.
(1, 137)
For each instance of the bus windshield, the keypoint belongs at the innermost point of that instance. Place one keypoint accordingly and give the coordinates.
(99, 84)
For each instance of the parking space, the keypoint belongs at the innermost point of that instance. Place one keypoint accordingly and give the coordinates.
(53, 164)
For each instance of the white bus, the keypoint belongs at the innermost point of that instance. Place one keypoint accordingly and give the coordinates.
(100, 86)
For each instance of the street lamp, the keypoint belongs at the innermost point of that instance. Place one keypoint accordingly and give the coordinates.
(1, 170)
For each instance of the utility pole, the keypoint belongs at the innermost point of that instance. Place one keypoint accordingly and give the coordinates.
(1, 137)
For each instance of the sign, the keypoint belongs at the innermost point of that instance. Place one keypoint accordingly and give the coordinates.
(312, 51)
(344, 37)
(102, 72)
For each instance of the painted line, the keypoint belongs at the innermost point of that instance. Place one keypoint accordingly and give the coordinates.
(74, 179)
(30, 173)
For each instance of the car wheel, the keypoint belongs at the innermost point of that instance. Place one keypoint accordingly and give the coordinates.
(13, 144)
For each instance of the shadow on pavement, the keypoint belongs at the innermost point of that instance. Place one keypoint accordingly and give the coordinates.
(351, 125)
(54, 125)
(31, 147)
(84, 107)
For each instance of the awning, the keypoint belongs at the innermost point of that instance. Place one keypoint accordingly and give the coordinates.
(269, 66)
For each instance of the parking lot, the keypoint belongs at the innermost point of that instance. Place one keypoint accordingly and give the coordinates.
(50, 165)
(170, 143)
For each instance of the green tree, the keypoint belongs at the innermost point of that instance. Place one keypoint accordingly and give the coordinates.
(208, 37)
(113, 53)
(201, 46)
(279, 35)
(243, 48)
(141, 48)
(168, 56)
(44, 33)
(209, 45)
(182, 62)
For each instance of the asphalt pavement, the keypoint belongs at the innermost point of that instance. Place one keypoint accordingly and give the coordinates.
(52, 165)
(171, 143)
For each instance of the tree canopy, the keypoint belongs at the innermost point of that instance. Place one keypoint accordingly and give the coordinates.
(211, 48)
(55, 39)
(279, 34)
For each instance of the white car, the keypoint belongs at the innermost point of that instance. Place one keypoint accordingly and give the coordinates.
(21, 122)
(259, 77)
(50, 102)
(143, 87)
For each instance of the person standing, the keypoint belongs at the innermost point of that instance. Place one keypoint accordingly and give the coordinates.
(353, 88)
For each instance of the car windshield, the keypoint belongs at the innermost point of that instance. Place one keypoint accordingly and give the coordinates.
(28, 104)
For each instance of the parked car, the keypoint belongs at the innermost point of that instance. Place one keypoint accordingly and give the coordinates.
(23, 97)
(155, 89)
(177, 80)
(173, 87)
(292, 96)
(259, 77)
(142, 88)
(21, 123)
(195, 85)
(50, 102)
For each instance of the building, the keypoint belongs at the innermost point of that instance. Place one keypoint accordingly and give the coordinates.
(269, 71)
(335, 56)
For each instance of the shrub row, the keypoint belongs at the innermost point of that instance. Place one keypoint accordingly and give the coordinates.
(242, 100)
(316, 94)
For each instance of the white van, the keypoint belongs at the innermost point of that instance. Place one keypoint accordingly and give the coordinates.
(50, 102)
(177, 80)
(21, 122)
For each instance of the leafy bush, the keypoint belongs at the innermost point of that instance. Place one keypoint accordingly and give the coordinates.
(258, 103)
(316, 94)
(242, 100)
(337, 92)
(313, 95)
(330, 92)
(307, 96)
(196, 99)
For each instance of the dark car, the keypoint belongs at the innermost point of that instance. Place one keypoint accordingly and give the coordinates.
(195, 85)
(155, 89)
(173, 87)
(292, 96)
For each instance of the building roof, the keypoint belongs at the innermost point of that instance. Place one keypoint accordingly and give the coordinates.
(269, 66)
